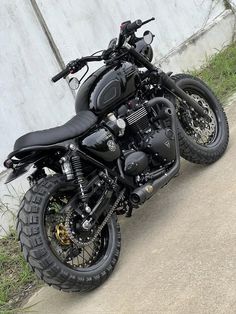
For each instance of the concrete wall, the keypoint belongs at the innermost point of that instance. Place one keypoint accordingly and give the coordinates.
(194, 51)
(73, 24)
(29, 101)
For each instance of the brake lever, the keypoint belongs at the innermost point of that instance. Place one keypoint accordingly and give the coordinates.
(147, 21)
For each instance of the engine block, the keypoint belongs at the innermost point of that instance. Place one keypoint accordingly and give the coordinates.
(138, 120)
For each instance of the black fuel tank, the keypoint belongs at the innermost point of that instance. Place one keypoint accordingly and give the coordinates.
(102, 144)
(108, 87)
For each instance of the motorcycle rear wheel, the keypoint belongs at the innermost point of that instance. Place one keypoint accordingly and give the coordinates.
(191, 148)
(41, 249)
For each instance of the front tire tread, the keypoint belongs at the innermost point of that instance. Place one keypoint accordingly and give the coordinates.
(190, 150)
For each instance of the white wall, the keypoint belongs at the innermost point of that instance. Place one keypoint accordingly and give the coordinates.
(74, 23)
(80, 27)
(29, 101)
(195, 51)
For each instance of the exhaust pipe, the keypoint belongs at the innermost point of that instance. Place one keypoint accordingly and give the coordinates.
(144, 192)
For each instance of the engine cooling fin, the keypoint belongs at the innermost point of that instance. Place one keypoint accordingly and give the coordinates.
(138, 120)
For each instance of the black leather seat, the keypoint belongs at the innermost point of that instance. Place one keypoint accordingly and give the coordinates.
(74, 127)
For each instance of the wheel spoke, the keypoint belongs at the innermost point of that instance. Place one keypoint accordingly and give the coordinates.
(88, 252)
(83, 258)
(73, 255)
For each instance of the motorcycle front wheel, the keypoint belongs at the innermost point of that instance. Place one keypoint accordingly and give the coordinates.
(200, 141)
(48, 248)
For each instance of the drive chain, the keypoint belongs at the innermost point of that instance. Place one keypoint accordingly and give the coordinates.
(98, 231)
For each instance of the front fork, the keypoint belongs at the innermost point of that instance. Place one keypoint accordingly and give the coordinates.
(171, 85)
(167, 81)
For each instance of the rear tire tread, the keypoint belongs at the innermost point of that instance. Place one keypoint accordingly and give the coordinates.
(38, 255)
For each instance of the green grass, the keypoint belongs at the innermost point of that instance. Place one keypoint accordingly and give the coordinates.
(16, 279)
(220, 72)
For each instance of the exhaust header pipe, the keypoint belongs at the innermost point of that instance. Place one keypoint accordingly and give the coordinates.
(144, 192)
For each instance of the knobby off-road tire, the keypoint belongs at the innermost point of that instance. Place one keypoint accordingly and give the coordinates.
(189, 149)
(37, 251)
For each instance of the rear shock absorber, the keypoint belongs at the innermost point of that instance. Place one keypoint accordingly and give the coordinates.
(78, 173)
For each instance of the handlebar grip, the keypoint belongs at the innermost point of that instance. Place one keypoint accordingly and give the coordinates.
(60, 75)
(149, 20)
(134, 26)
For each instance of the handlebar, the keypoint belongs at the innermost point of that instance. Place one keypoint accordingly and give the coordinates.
(127, 28)
(149, 20)
(60, 75)
(132, 27)
(74, 66)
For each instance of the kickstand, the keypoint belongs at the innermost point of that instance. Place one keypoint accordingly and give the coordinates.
(129, 211)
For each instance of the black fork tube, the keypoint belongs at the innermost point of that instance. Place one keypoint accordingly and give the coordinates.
(167, 81)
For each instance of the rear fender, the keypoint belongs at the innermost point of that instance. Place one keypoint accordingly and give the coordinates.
(19, 162)
(18, 171)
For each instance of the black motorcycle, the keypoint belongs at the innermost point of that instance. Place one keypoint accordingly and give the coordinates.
(132, 124)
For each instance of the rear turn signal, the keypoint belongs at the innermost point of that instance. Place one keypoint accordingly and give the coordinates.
(8, 163)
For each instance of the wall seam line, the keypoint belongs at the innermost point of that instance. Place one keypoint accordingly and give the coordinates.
(49, 37)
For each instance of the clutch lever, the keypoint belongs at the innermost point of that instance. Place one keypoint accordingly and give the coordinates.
(147, 21)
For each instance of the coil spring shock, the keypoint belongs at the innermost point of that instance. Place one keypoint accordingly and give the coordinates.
(78, 172)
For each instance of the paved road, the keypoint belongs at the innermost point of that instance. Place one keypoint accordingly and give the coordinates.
(178, 253)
